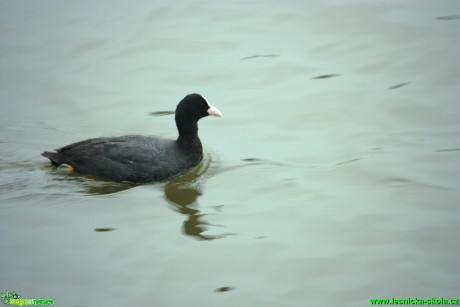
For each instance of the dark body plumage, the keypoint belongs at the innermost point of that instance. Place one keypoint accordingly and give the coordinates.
(141, 159)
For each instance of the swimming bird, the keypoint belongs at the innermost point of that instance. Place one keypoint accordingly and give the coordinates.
(140, 159)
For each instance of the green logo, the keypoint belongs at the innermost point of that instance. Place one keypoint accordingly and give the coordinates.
(6, 296)
(12, 298)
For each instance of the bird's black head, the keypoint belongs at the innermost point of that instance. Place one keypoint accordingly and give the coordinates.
(194, 107)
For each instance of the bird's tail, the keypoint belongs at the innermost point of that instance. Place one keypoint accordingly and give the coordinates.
(54, 157)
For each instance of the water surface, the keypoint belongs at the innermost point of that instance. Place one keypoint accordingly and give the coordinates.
(333, 177)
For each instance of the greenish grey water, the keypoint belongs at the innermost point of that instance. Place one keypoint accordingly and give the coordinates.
(333, 177)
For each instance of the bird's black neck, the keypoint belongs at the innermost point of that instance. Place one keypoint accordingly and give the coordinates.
(188, 135)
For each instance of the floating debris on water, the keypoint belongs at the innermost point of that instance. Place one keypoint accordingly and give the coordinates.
(104, 229)
(348, 161)
(261, 56)
(224, 289)
(326, 76)
(451, 17)
(398, 85)
(161, 113)
(449, 149)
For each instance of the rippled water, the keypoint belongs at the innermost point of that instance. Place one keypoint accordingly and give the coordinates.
(332, 179)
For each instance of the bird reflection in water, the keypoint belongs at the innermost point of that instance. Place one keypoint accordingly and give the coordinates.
(183, 192)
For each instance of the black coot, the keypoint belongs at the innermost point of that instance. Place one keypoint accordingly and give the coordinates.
(141, 159)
